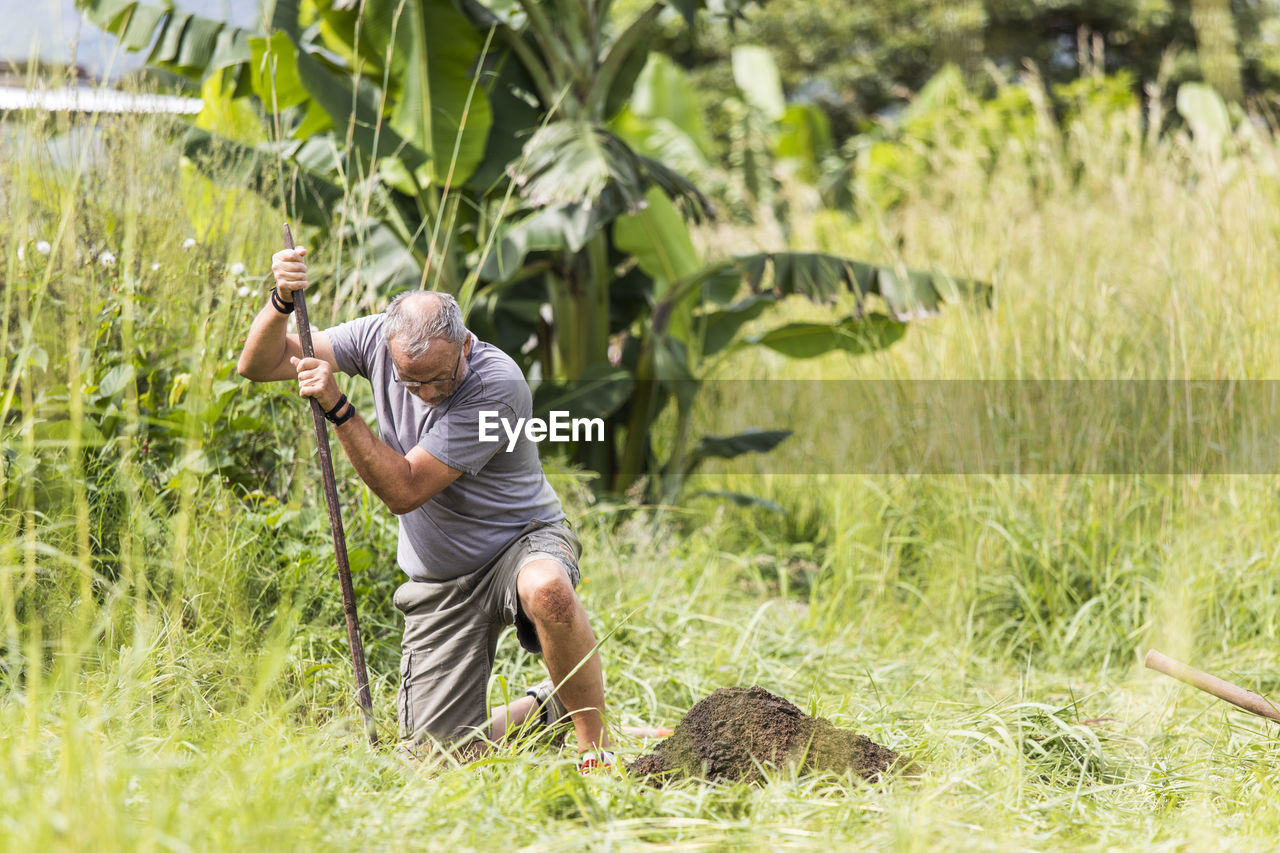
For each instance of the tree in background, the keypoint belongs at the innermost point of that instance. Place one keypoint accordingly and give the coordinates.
(858, 59)
(1216, 39)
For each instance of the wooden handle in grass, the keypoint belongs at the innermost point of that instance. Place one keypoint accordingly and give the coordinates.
(1213, 685)
(330, 484)
(646, 731)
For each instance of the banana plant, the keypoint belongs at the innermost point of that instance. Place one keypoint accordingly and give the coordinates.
(372, 110)
(469, 146)
(695, 313)
(599, 234)
(769, 138)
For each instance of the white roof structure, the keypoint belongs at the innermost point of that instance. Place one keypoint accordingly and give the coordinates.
(88, 99)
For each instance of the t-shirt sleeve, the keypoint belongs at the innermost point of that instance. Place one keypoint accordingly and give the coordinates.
(471, 432)
(354, 342)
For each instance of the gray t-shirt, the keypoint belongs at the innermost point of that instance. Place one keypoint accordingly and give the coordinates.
(498, 493)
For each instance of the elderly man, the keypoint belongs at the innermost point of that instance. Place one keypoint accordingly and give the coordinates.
(483, 538)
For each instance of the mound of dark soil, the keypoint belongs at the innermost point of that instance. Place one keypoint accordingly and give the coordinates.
(735, 731)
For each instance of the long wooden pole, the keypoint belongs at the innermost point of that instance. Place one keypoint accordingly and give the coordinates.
(1213, 685)
(335, 522)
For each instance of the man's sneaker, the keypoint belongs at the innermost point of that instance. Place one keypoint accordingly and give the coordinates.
(550, 708)
(603, 761)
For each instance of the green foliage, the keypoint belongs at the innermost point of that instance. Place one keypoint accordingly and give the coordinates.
(123, 405)
(143, 488)
(1016, 124)
(860, 61)
(574, 234)
(370, 147)
(985, 625)
(770, 141)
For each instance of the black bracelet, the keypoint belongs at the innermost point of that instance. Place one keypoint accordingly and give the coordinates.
(279, 304)
(345, 416)
(337, 407)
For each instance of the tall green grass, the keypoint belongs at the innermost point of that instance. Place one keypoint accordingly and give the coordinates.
(1116, 255)
(173, 669)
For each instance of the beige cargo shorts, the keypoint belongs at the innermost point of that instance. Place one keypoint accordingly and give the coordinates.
(451, 631)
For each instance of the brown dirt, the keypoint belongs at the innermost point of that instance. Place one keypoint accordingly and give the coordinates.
(735, 731)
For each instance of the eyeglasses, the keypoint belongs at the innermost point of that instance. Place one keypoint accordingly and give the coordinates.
(434, 383)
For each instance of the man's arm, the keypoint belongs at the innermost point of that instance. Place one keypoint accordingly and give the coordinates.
(271, 354)
(269, 347)
(402, 482)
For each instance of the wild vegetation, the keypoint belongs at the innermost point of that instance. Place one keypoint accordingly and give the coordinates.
(900, 44)
(172, 659)
(474, 149)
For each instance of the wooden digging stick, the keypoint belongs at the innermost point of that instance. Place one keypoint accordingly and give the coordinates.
(335, 522)
(1224, 690)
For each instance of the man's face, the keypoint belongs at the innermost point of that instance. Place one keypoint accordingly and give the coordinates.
(435, 376)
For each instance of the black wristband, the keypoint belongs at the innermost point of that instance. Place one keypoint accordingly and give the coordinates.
(337, 407)
(345, 416)
(279, 304)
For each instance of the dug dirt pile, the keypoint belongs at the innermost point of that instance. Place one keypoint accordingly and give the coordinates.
(734, 731)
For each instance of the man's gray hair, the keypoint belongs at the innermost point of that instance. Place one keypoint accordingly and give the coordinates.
(415, 318)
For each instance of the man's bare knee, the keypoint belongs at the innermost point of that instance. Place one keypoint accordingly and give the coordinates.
(546, 594)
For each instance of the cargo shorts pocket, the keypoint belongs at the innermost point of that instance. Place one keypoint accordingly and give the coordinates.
(443, 677)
